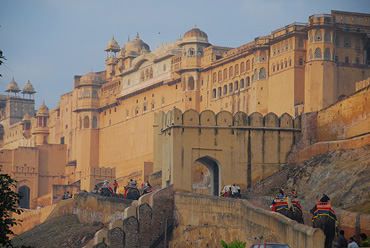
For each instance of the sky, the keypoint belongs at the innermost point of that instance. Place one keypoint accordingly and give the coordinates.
(50, 41)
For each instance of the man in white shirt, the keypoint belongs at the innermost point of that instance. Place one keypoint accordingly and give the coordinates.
(352, 243)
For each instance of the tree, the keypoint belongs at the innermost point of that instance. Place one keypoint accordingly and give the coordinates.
(236, 244)
(9, 205)
(1, 59)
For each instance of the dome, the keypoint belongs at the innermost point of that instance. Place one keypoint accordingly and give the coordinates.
(90, 78)
(121, 53)
(43, 110)
(195, 32)
(28, 88)
(26, 118)
(112, 46)
(12, 87)
(136, 47)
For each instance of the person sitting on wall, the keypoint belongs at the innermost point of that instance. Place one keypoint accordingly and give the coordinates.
(115, 185)
(323, 198)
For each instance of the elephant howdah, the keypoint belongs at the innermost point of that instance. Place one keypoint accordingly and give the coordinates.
(324, 218)
(289, 207)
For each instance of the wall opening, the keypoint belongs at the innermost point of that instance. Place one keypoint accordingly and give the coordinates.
(206, 176)
(25, 200)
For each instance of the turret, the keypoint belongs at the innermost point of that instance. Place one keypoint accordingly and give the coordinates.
(41, 131)
(13, 89)
(28, 91)
(111, 56)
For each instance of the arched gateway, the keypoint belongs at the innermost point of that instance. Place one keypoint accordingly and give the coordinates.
(238, 149)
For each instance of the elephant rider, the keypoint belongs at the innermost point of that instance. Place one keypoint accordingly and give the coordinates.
(323, 198)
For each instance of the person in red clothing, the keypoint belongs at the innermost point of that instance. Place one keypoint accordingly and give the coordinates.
(115, 185)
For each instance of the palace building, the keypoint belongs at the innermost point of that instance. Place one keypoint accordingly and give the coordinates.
(104, 127)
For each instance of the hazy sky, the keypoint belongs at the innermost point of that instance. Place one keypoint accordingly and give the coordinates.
(50, 41)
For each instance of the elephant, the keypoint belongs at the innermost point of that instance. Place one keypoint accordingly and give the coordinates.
(328, 224)
(290, 209)
(132, 193)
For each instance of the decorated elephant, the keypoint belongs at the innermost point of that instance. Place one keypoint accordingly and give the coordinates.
(132, 193)
(324, 218)
(288, 207)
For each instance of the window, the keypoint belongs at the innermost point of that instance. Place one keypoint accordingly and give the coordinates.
(142, 76)
(277, 66)
(236, 85)
(62, 140)
(347, 42)
(151, 73)
(357, 61)
(86, 122)
(144, 107)
(255, 75)
(327, 54)
(290, 62)
(248, 81)
(95, 122)
(214, 93)
(231, 73)
(242, 67)
(191, 83)
(237, 69)
(262, 73)
(225, 74)
(231, 88)
(327, 36)
(241, 83)
(214, 77)
(286, 64)
(281, 65)
(95, 94)
(153, 105)
(225, 89)
(300, 61)
(318, 35)
(248, 65)
(336, 58)
(201, 99)
(219, 91)
(219, 76)
(318, 53)
(346, 60)
(87, 94)
(273, 68)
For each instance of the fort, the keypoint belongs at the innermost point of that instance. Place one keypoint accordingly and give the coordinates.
(189, 112)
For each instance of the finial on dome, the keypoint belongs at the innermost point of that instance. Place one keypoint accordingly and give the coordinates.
(113, 37)
(195, 25)
(137, 34)
(128, 38)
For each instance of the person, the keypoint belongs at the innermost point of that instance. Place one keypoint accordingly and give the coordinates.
(115, 185)
(352, 243)
(147, 187)
(281, 193)
(106, 183)
(294, 193)
(365, 241)
(342, 241)
(323, 198)
(131, 183)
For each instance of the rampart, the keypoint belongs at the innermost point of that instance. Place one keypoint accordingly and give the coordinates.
(237, 148)
(206, 220)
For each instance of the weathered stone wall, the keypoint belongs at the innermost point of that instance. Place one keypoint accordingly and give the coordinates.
(206, 220)
(345, 119)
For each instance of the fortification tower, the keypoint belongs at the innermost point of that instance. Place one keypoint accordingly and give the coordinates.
(111, 57)
(41, 131)
(193, 44)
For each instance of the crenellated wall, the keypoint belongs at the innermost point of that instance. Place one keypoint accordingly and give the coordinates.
(236, 148)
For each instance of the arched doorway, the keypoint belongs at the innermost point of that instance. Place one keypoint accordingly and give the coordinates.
(209, 178)
(25, 200)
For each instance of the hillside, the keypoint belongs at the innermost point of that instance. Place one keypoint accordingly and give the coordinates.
(341, 174)
(63, 231)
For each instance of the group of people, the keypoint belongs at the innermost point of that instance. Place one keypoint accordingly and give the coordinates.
(66, 195)
(232, 191)
(351, 243)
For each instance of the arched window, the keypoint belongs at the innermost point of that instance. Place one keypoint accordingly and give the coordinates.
(300, 61)
(290, 62)
(191, 83)
(242, 67)
(214, 94)
(136, 110)
(146, 73)
(225, 74)
(327, 54)
(145, 107)
(241, 83)
(231, 88)
(277, 66)
(346, 60)
(281, 65)
(273, 68)
(327, 36)
(248, 65)
(311, 55)
(262, 73)
(95, 94)
(318, 53)
(318, 36)
(255, 75)
(236, 85)
(191, 51)
(94, 122)
(219, 91)
(151, 73)
(225, 89)
(262, 56)
(248, 81)
(347, 42)
(142, 76)
(286, 64)
(219, 76)
(86, 122)
(236, 69)
(214, 76)
(87, 94)
(231, 73)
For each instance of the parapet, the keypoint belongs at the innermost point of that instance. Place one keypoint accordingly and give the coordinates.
(225, 119)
